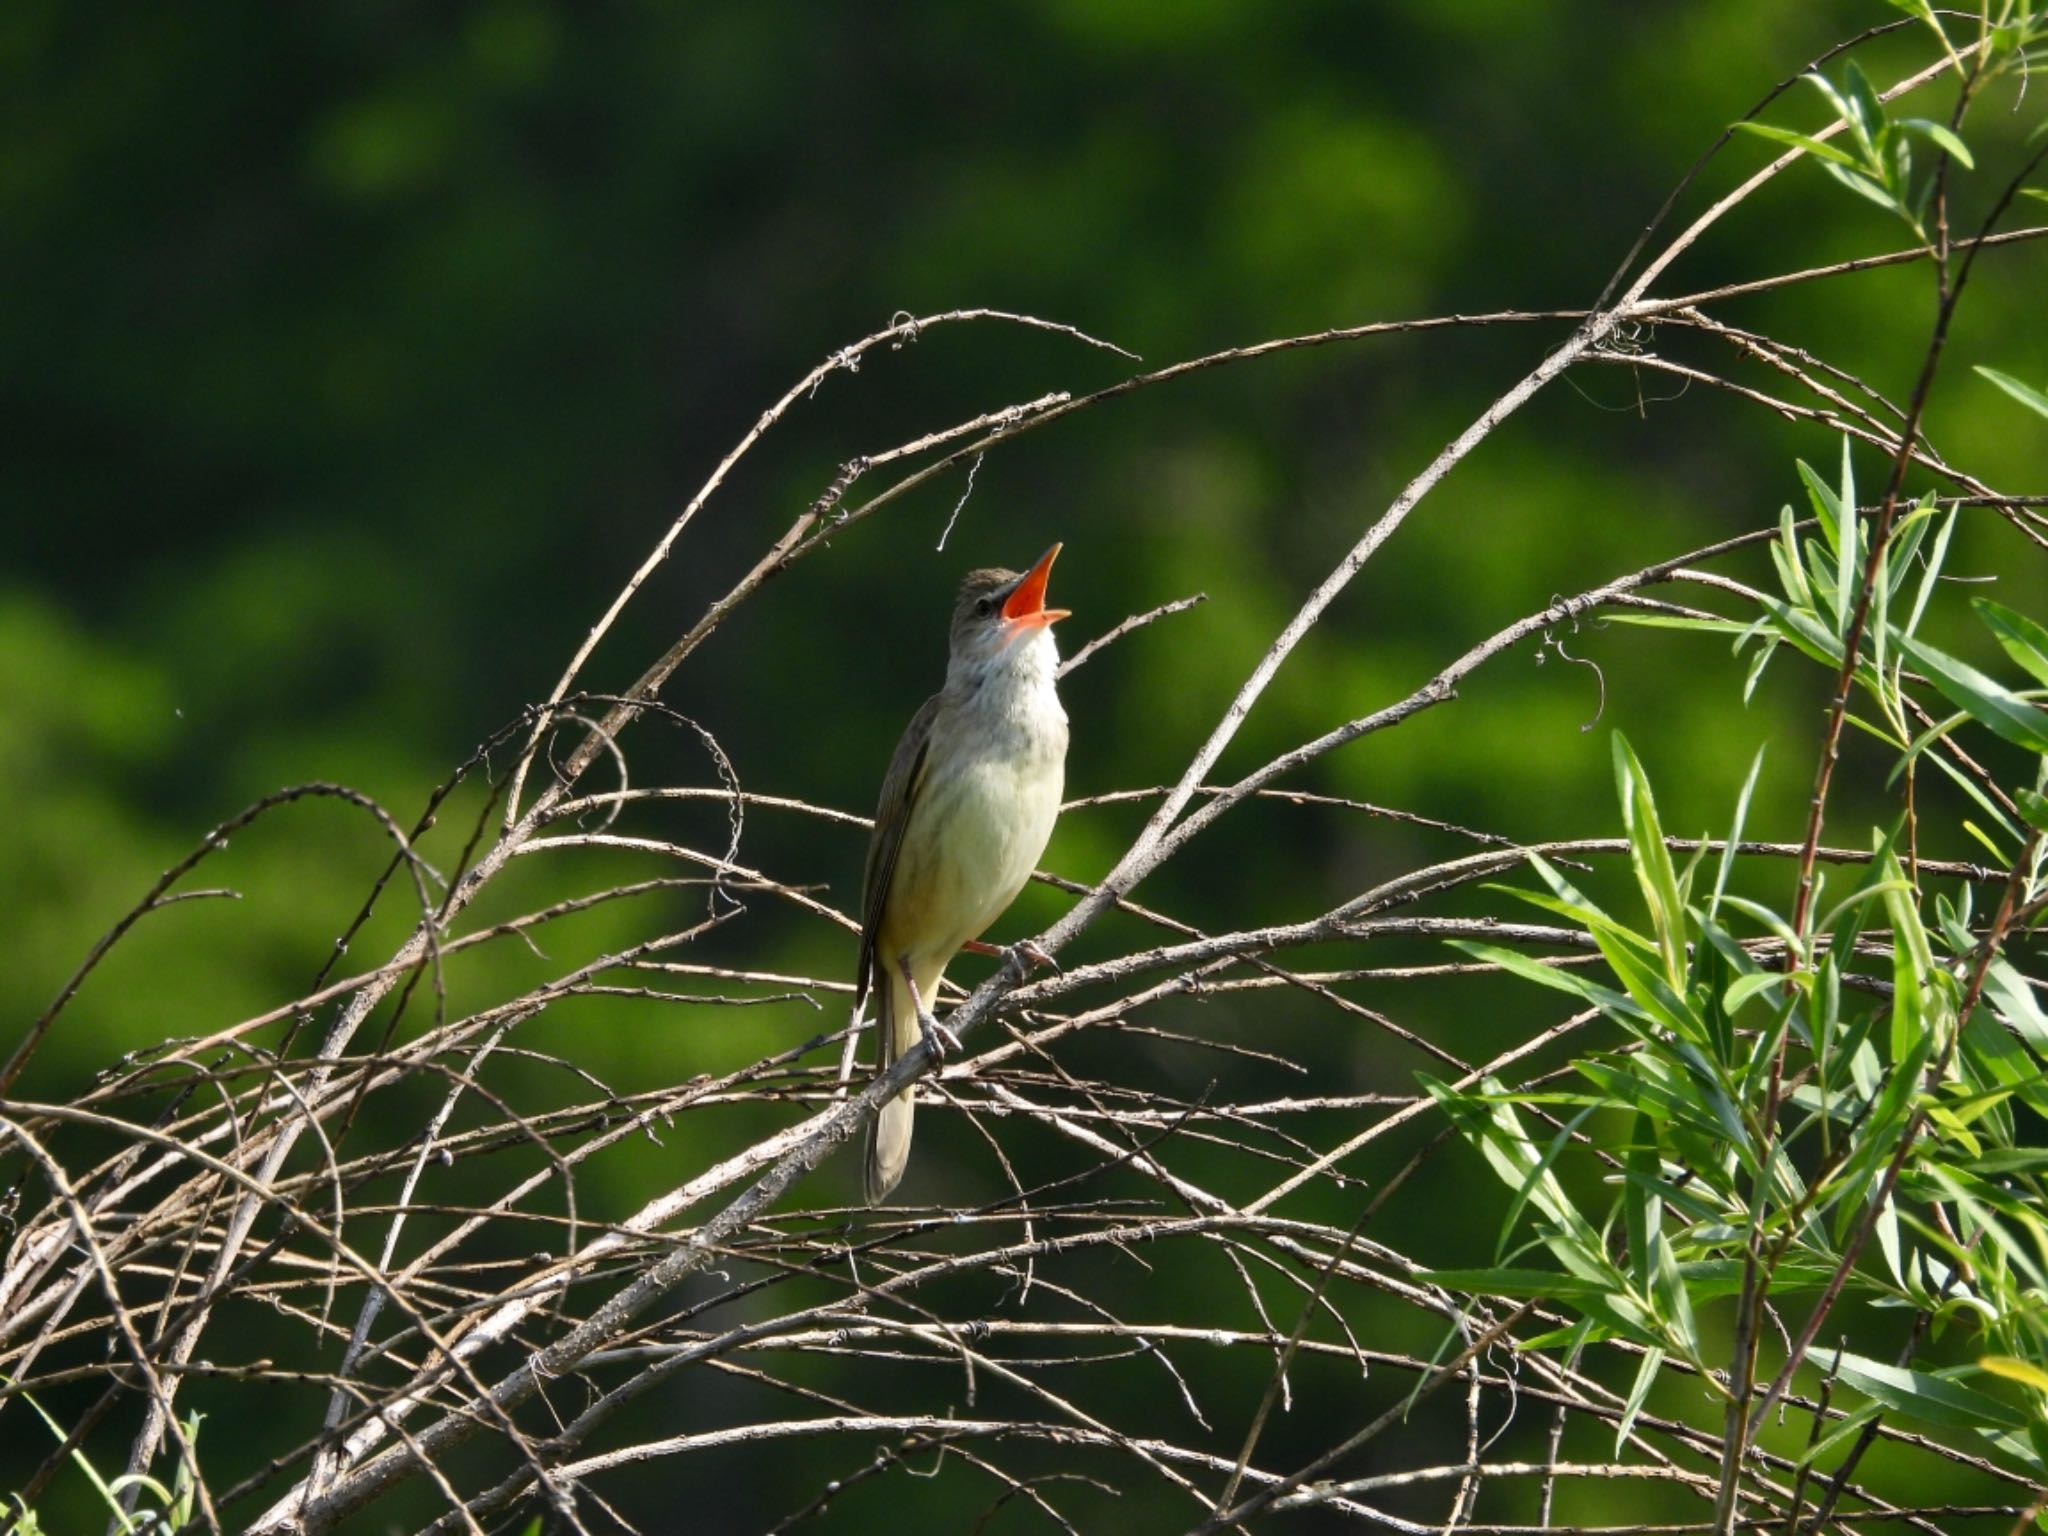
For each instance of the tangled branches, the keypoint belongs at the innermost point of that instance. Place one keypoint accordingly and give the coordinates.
(398, 1203)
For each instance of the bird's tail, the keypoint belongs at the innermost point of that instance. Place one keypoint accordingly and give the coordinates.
(889, 1132)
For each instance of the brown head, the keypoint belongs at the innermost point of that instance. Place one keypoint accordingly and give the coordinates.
(997, 607)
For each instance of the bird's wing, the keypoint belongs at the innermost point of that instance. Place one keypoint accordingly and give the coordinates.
(899, 796)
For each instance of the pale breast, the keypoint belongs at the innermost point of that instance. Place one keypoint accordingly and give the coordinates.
(991, 793)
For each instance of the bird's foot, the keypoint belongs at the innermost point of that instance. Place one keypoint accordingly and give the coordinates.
(939, 1038)
(1025, 956)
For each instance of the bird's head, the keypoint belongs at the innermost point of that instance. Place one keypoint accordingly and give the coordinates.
(997, 609)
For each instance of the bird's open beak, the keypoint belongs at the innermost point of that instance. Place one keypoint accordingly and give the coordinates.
(1025, 607)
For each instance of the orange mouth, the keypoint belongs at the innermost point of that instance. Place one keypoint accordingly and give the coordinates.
(1025, 607)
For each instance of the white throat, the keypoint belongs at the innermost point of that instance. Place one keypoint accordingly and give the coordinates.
(1027, 665)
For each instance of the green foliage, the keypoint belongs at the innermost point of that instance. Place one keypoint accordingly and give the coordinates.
(174, 1506)
(1786, 1101)
(356, 363)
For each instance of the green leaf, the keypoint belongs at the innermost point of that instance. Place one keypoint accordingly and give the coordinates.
(1812, 146)
(1913, 962)
(1756, 667)
(1827, 507)
(1521, 1284)
(1767, 919)
(1746, 987)
(1869, 119)
(2013, 998)
(1803, 628)
(2025, 641)
(1936, 558)
(1497, 1131)
(1646, 1376)
(1756, 765)
(1785, 555)
(1677, 621)
(1837, 513)
(1614, 1004)
(1943, 137)
(2026, 394)
(2015, 1370)
(1652, 860)
(1931, 1398)
(1988, 702)
(1642, 1202)
(1865, 185)
(1905, 542)
(1575, 901)
(2034, 806)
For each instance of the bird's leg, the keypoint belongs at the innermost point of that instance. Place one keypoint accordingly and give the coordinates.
(1022, 957)
(937, 1037)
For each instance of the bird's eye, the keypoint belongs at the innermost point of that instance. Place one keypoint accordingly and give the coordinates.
(985, 606)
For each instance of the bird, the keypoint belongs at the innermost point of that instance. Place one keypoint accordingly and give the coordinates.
(967, 807)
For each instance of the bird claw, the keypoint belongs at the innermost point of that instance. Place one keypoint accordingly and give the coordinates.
(939, 1038)
(1025, 956)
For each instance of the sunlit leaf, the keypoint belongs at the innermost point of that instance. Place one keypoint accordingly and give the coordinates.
(1934, 1399)
(2015, 1370)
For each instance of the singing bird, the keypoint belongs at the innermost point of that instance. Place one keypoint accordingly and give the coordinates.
(966, 808)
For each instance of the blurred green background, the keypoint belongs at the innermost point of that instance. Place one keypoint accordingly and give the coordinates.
(354, 354)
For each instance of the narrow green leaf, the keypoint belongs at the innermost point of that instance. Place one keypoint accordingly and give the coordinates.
(1677, 621)
(1785, 555)
(1867, 186)
(1937, 557)
(2034, 806)
(1943, 137)
(1652, 859)
(2013, 998)
(1827, 506)
(1905, 542)
(2026, 394)
(1756, 765)
(1888, 1243)
(1646, 1376)
(2025, 641)
(1836, 511)
(1912, 955)
(1614, 1004)
(1756, 667)
(1987, 701)
(1497, 1131)
(1803, 628)
(1575, 900)
(1764, 917)
(1520, 1284)
(1747, 987)
(1673, 1300)
(1869, 113)
(1642, 1204)
(1812, 146)
(1932, 1398)
(2015, 1370)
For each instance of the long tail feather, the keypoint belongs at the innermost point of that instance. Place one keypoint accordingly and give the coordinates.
(888, 1151)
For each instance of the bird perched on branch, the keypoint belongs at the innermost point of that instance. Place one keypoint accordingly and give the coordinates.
(966, 808)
